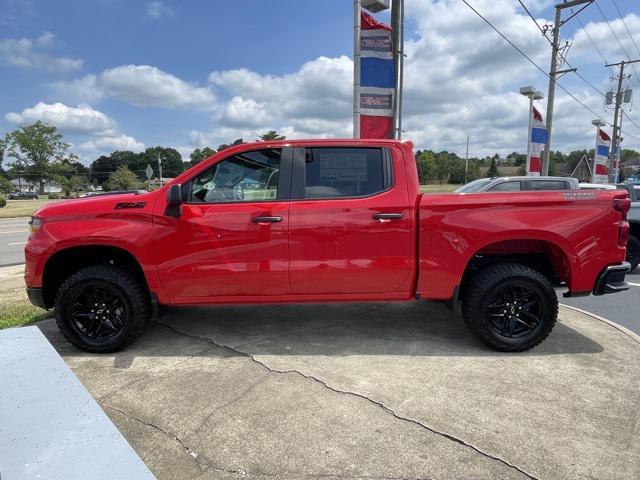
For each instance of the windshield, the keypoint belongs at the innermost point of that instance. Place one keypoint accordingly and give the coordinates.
(474, 186)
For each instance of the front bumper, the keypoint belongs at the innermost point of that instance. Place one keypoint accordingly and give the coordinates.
(36, 297)
(611, 280)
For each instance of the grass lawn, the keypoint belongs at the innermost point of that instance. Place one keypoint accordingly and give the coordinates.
(437, 188)
(15, 309)
(23, 208)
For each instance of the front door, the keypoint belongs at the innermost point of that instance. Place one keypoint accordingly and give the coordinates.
(231, 239)
(351, 222)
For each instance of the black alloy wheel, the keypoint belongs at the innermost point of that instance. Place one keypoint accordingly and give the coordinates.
(515, 311)
(98, 311)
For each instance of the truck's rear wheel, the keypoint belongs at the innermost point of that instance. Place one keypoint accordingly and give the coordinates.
(633, 252)
(510, 307)
(102, 309)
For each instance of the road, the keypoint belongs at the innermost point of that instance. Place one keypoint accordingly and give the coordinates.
(13, 237)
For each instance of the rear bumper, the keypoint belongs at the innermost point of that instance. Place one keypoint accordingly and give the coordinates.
(36, 297)
(611, 280)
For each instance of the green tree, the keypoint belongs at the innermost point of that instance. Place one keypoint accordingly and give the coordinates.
(172, 164)
(493, 169)
(102, 167)
(5, 185)
(200, 154)
(271, 135)
(37, 150)
(426, 163)
(121, 179)
(442, 167)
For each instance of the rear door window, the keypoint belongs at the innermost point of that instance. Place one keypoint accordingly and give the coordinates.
(345, 172)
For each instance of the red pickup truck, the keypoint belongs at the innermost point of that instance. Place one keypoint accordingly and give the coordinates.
(321, 221)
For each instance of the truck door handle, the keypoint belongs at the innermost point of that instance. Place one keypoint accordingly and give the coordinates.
(267, 219)
(386, 216)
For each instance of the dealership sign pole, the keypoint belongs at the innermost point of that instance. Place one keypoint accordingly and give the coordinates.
(374, 73)
(601, 156)
(537, 140)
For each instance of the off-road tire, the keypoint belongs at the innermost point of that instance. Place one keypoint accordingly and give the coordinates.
(131, 289)
(633, 253)
(492, 279)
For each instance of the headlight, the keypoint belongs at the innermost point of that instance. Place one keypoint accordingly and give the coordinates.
(34, 225)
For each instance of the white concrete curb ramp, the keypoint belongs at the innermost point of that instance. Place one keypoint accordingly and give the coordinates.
(50, 427)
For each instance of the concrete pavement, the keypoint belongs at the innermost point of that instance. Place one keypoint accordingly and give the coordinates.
(368, 391)
(13, 237)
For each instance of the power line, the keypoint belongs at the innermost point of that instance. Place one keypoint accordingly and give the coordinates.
(529, 58)
(625, 26)
(534, 20)
(591, 40)
(616, 36)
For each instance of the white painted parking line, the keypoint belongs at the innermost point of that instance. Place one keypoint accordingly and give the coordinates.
(634, 284)
(17, 243)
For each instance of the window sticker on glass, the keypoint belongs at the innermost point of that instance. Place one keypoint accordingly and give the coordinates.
(348, 167)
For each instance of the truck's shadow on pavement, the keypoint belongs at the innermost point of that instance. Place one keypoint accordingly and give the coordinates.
(392, 329)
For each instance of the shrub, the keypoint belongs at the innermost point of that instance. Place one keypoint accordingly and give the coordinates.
(53, 196)
(3, 201)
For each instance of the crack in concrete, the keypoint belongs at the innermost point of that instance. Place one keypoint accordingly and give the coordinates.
(364, 397)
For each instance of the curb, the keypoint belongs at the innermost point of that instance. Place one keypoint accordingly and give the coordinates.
(633, 336)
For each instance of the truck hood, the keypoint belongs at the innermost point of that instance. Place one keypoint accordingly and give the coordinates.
(98, 204)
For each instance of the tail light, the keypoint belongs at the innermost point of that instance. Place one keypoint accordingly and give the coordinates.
(622, 205)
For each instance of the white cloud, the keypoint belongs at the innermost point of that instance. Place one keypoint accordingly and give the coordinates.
(140, 85)
(159, 9)
(98, 132)
(33, 54)
(113, 143)
(82, 118)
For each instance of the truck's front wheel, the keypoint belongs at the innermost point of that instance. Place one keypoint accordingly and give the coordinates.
(510, 307)
(102, 309)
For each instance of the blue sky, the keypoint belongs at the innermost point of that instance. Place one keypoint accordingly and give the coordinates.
(115, 74)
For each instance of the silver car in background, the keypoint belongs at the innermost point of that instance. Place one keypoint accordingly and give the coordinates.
(519, 184)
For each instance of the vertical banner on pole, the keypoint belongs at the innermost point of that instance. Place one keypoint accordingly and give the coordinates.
(377, 78)
(538, 139)
(601, 157)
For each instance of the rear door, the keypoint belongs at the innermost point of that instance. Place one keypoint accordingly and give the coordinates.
(231, 239)
(351, 222)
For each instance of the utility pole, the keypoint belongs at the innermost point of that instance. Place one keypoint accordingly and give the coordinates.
(553, 73)
(615, 137)
(160, 169)
(397, 25)
(466, 161)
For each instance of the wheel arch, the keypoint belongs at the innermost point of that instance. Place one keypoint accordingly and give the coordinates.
(67, 261)
(543, 255)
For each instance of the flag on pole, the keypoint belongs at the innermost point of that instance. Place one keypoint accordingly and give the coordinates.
(603, 146)
(377, 78)
(538, 138)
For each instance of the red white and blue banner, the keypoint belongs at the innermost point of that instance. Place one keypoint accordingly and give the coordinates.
(377, 78)
(603, 147)
(538, 139)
